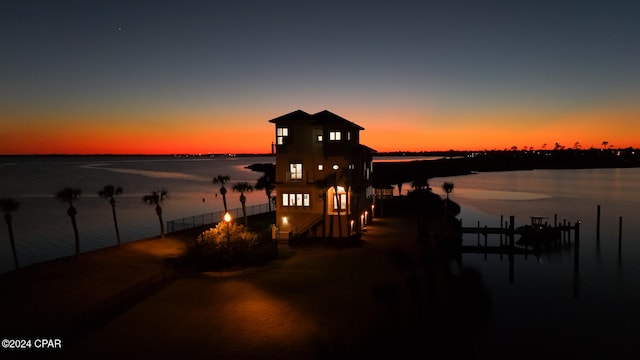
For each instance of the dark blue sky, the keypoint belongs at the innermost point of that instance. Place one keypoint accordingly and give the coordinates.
(427, 66)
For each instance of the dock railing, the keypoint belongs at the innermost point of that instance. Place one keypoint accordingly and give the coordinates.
(212, 218)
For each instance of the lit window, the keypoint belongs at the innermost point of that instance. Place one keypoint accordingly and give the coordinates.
(335, 167)
(343, 202)
(335, 135)
(349, 135)
(319, 138)
(320, 167)
(297, 200)
(296, 171)
(281, 134)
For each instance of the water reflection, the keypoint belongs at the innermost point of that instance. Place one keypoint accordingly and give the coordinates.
(581, 301)
(147, 173)
(41, 225)
(483, 194)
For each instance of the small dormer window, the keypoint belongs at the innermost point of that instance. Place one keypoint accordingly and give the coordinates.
(281, 134)
(335, 136)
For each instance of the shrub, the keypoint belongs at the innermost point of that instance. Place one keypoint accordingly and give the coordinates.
(225, 245)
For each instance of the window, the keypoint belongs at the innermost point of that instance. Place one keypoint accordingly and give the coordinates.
(281, 134)
(335, 135)
(319, 138)
(320, 167)
(282, 131)
(297, 200)
(349, 135)
(296, 171)
(343, 202)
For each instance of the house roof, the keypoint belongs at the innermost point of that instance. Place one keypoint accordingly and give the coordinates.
(366, 148)
(324, 117)
(297, 115)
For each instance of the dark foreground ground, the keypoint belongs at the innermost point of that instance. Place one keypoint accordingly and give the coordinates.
(380, 298)
(391, 296)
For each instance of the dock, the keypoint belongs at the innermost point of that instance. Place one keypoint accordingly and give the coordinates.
(507, 235)
(507, 243)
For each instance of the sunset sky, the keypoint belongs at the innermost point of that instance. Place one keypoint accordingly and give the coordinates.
(205, 76)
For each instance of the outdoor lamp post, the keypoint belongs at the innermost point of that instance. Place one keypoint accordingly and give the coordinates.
(227, 219)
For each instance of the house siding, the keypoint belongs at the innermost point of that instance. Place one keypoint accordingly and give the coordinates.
(328, 140)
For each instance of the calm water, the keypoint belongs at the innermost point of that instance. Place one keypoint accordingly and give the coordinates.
(593, 312)
(43, 230)
(551, 308)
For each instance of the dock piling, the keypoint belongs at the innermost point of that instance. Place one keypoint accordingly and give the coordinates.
(620, 236)
(598, 226)
(576, 261)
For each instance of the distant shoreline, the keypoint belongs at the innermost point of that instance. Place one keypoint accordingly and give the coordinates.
(446, 154)
(456, 163)
(139, 155)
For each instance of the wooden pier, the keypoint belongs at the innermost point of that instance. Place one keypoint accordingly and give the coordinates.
(507, 245)
(507, 237)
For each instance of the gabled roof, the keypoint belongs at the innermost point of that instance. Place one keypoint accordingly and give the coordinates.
(292, 116)
(324, 117)
(366, 148)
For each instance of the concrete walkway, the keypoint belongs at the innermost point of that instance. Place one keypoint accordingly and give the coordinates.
(312, 303)
(57, 297)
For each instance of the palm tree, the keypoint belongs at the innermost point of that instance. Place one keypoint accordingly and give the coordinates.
(331, 181)
(264, 183)
(420, 183)
(336, 179)
(156, 198)
(338, 202)
(222, 179)
(109, 192)
(323, 184)
(8, 206)
(243, 187)
(447, 187)
(68, 195)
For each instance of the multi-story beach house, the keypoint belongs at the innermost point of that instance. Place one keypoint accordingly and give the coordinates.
(323, 176)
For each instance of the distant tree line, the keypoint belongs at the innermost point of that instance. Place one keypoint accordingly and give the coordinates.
(462, 163)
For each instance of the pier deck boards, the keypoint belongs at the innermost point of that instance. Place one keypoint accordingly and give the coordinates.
(505, 231)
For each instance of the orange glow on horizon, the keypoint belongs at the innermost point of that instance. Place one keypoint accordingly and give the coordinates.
(498, 131)
(384, 131)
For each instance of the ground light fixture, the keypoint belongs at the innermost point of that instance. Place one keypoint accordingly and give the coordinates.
(227, 219)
